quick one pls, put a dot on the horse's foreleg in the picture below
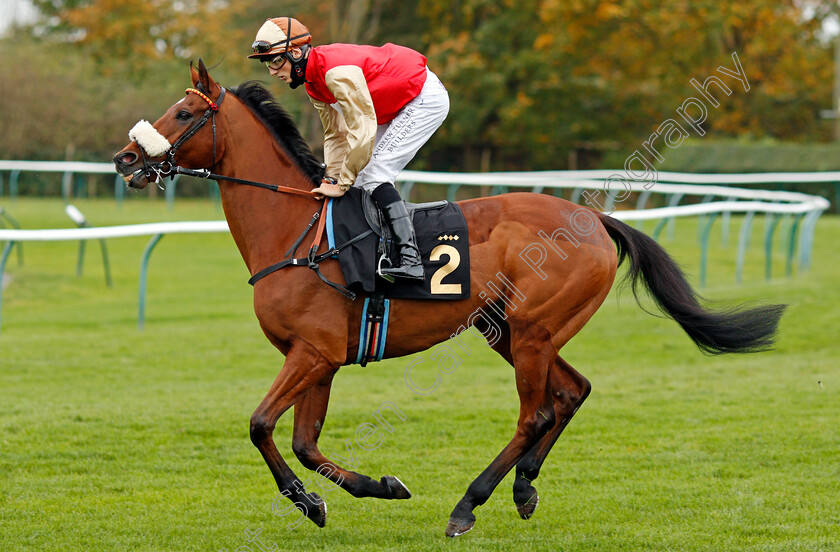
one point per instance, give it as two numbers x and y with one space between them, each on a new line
568 389
304 368
532 354
310 412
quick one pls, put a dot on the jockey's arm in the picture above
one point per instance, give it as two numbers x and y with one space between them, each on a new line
335 137
347 83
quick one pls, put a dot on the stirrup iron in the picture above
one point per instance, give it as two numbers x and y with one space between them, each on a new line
386 277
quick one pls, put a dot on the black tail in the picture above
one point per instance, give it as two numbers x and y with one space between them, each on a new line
735 330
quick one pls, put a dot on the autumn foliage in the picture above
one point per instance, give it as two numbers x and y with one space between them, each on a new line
534 84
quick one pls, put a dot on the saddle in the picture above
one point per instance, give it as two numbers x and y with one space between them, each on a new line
442 238
376 221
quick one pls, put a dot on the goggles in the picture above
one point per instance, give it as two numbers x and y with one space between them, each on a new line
276 63
263 46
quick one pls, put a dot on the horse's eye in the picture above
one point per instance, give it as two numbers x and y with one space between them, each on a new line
184 115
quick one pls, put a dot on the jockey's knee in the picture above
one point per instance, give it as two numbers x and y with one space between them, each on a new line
385 194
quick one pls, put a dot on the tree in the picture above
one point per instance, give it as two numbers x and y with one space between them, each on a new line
534 79
648 50
56 104
139 39
531 82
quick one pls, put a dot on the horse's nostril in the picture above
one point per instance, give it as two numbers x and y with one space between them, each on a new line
126 158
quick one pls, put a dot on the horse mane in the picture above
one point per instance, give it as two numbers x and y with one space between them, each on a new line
277 120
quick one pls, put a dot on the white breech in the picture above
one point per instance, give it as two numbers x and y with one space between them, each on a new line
399 141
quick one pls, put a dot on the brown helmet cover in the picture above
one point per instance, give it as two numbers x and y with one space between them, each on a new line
283 34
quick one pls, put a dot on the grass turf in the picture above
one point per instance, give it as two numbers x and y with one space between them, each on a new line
114 439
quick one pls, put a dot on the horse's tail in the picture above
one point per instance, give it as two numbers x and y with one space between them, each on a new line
735 330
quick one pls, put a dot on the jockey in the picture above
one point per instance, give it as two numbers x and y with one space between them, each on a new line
378 105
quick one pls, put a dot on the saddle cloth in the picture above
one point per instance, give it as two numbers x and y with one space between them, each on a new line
441 237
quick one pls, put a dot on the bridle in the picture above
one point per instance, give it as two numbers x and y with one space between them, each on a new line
169 167
209 113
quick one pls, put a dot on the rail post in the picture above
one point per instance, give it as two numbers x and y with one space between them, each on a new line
144 269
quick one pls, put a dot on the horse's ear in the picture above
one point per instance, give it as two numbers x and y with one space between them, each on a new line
208 84
193 74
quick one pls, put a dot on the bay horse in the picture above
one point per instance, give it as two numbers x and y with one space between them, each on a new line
553 290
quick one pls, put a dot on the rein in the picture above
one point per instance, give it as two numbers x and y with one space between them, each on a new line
169 167
205 173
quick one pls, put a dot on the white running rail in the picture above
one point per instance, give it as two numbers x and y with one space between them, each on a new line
802 210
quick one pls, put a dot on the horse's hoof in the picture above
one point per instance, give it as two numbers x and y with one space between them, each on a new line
458 527
317 512
527 509
396 488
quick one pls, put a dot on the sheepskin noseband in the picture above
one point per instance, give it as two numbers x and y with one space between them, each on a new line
148 138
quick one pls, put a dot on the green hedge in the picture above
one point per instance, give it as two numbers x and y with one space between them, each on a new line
740 157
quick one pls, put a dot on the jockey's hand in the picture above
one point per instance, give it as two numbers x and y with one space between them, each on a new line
328 188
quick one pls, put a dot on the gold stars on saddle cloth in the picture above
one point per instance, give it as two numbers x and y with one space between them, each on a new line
447 237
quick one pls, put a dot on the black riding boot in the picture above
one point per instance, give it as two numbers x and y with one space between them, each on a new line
403 230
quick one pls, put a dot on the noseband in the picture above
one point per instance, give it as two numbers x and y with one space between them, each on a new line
168 166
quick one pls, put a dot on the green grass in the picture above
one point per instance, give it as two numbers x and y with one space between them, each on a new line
114 439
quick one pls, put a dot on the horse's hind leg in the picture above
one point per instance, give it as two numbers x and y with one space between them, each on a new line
568 389
533 355
310 411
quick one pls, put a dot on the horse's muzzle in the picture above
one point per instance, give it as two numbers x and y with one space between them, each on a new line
126 163
137 180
